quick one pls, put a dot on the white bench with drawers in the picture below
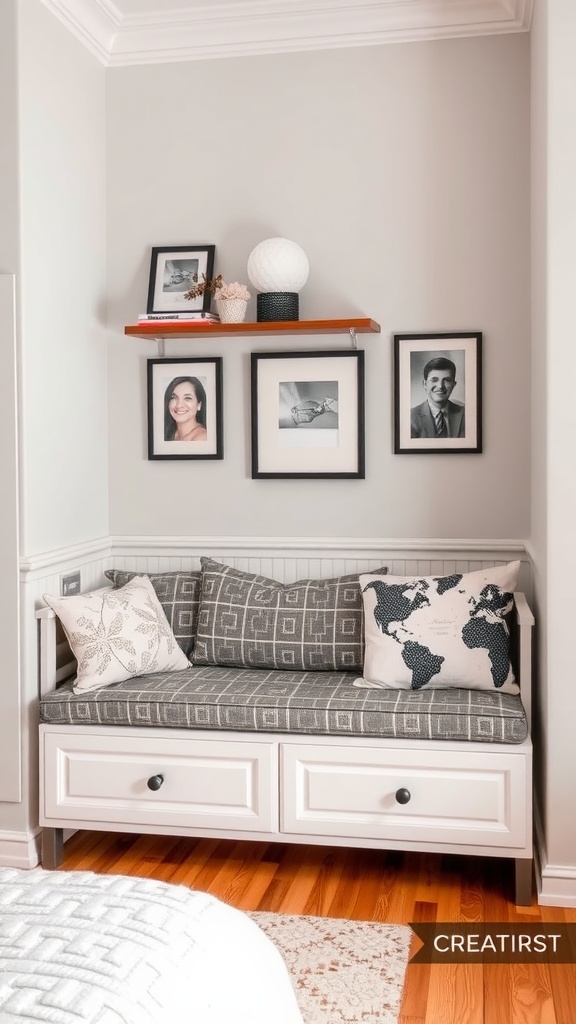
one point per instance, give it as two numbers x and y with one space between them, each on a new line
329 788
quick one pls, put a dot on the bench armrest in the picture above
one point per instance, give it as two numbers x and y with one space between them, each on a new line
525 624
57 662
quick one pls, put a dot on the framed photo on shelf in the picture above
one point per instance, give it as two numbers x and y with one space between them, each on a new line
308 414
174 270
185 408
438 393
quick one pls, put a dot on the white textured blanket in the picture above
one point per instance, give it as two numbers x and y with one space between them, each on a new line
81 948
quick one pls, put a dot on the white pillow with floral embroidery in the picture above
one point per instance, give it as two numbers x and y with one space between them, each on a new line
117 634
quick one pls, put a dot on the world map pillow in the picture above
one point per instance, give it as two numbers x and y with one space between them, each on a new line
250 621
117 634
439 631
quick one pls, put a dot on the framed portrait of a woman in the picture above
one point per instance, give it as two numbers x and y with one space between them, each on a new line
185 408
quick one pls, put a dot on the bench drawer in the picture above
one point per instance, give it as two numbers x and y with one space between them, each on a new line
203 783
451 797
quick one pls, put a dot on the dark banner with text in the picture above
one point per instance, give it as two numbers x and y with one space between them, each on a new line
495 943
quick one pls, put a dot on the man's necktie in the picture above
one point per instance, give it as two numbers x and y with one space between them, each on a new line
440 424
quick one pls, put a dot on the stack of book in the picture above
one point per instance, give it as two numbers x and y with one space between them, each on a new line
179 318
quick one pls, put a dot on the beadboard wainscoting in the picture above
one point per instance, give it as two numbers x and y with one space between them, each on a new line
290 559
282 558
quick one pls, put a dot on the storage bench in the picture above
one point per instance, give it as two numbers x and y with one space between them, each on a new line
290 756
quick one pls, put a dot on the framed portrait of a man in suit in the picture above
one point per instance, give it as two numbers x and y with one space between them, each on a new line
438 393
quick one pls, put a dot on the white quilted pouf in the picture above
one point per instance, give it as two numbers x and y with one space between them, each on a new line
81 948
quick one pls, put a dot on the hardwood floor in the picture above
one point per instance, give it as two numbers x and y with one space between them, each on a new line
365 885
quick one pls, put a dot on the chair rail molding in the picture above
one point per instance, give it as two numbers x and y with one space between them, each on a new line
106 549
66 558
204 31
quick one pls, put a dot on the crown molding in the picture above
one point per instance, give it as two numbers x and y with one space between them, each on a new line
278 26
95 23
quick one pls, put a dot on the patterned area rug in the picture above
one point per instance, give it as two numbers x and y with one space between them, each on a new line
344 972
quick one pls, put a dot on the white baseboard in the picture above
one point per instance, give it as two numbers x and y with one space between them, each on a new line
20 849
555 883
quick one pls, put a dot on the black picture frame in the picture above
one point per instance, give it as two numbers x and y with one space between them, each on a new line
163 375
172 271
415 432
307 415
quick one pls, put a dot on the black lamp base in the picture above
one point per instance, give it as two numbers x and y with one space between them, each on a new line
277 306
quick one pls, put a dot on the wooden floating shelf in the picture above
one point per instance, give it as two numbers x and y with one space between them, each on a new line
158 329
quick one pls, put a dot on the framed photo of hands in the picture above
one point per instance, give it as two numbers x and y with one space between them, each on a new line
438 393
174 271
308 414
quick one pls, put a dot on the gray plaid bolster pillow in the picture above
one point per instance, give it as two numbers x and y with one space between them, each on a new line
179 595
249 621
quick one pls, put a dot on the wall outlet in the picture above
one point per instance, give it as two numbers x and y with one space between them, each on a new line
70 584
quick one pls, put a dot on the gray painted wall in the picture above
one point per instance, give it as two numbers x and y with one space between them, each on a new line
401 170
52 238
63 232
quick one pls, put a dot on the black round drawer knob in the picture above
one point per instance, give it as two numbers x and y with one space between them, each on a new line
403 796
155 781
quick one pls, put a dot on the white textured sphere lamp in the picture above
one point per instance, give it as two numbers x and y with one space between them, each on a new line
278 269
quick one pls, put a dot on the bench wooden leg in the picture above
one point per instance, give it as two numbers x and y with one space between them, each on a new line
523 882
52 847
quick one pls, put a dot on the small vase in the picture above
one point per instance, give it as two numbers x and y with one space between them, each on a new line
232 311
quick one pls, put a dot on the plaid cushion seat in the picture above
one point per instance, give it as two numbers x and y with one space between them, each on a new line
261 700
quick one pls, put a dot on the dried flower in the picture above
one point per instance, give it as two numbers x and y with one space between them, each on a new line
217 285
204 285
234 291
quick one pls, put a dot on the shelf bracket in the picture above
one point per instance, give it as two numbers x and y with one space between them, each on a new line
353 337
161 347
